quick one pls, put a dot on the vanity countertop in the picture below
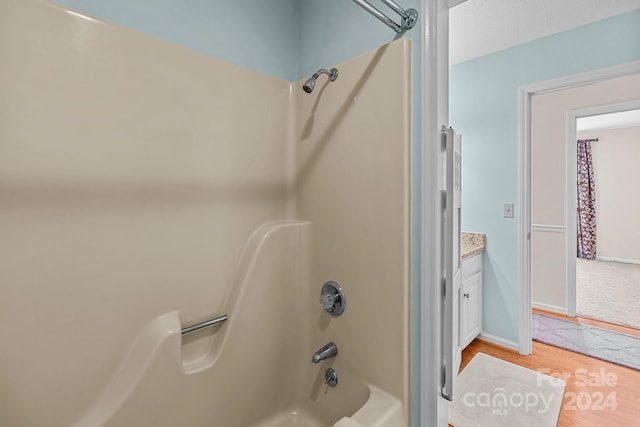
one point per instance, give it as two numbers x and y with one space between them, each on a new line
472 244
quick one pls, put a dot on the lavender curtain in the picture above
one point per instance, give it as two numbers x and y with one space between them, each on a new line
586 215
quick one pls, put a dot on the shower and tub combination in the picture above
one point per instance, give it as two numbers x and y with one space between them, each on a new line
172 266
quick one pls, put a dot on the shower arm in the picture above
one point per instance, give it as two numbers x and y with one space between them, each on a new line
409 16
333 73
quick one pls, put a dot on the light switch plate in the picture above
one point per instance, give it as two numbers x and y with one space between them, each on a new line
508 210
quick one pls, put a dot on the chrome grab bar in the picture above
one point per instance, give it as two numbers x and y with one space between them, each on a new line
204 324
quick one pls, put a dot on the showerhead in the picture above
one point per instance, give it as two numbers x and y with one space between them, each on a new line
309 84
311 81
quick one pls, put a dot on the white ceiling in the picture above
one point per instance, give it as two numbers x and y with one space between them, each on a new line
622 119
480 27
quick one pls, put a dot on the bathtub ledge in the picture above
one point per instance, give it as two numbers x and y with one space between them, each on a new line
381 410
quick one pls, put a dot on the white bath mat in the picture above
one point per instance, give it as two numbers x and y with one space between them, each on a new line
490 392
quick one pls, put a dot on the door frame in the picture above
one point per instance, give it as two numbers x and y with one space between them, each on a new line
525 95
433 407
571 168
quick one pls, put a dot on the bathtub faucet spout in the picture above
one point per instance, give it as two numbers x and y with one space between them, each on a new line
329 350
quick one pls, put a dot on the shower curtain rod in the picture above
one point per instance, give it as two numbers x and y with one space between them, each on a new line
409 16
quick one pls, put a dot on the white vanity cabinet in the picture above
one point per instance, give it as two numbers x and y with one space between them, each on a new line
470 298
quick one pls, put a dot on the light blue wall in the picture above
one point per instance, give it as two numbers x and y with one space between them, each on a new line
260 35
289 39
484 108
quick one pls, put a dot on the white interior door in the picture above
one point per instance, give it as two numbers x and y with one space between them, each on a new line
452 261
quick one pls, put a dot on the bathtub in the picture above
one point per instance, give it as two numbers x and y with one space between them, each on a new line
255 369
380 410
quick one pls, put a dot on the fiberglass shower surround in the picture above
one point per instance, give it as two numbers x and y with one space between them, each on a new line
146 211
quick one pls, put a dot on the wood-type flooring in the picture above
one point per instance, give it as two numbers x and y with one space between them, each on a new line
597 393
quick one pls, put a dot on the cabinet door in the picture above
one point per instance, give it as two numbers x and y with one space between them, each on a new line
471 309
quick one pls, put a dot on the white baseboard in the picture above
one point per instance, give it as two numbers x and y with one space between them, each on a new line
499 341
549 307
626 261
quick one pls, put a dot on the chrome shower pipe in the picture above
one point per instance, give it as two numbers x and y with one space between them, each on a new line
409 16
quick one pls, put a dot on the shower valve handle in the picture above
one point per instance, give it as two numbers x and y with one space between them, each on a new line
332 298
327 301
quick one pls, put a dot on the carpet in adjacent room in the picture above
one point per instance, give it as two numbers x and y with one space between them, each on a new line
608 291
